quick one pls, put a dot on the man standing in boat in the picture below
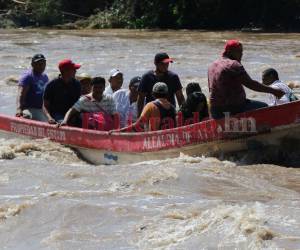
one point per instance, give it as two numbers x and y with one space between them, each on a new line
226 80
160 74
62 92
31 90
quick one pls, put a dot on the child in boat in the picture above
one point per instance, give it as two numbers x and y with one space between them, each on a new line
195 108
270 78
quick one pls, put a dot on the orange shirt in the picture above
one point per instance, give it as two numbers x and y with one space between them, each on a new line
151 113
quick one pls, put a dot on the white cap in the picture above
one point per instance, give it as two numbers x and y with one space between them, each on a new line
114 72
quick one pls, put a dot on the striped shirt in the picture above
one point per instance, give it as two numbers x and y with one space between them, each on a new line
87 103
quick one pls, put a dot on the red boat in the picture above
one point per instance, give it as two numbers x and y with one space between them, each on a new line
267 126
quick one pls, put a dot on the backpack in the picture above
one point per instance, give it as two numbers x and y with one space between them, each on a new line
293 97
167 116
97 120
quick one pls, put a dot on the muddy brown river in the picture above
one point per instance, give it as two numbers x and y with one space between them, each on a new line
51 199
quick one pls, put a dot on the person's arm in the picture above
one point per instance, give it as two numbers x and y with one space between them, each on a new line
180 97
256 86
178 89
140 103
46 105
71 112
138 125
22 92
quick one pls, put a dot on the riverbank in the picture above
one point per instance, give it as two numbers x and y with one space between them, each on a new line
248 15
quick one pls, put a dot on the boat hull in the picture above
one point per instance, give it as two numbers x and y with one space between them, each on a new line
264 127
214 148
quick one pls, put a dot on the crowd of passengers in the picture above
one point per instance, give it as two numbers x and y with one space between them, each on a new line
149 102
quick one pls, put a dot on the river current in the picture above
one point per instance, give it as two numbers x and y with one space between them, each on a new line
51 199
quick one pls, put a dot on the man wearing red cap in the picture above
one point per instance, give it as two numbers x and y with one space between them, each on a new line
160 74
226 80
62 92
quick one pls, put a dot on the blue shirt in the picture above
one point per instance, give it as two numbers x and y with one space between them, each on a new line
36 83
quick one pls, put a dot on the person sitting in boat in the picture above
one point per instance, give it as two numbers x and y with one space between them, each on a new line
270 78
61 93
85 83
96 105
226 80
115 82
160 74
192 87
125 100
195 108
31 89
156 115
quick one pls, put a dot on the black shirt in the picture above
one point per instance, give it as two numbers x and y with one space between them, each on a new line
61 96
170 78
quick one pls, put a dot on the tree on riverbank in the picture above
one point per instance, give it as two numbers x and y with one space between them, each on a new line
193 14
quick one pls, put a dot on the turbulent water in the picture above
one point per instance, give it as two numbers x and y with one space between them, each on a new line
51 199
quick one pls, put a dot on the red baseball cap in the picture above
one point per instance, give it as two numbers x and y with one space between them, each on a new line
162 57
232 44
67 64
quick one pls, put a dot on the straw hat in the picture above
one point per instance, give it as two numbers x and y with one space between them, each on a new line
83 76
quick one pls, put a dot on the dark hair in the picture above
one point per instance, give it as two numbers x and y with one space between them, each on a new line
192 87
134 80
98 81
191 103
271 72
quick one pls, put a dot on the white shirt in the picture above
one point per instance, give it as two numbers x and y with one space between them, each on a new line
108 91
126 110
273 100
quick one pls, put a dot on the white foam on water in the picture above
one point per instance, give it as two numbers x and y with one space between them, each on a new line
234 225
42 149
50 199
10 210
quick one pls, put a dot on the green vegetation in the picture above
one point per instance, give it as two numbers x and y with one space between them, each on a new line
175 14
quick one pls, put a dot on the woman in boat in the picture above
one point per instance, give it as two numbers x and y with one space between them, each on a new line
195 108
156 115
